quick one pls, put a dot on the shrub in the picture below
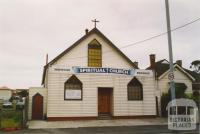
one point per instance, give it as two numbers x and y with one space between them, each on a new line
10 118
165 98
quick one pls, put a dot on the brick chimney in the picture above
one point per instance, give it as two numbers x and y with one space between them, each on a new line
152 61
136 63
179 62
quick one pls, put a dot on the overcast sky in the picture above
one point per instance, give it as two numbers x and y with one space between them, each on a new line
31 28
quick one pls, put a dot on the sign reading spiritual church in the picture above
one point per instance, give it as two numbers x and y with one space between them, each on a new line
103 70
99 70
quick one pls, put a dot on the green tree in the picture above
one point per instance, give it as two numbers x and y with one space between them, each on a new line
23 93
180 89
195 65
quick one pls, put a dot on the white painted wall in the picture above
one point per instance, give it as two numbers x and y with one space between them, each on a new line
110 58
58 107
5 94
32 92
123 107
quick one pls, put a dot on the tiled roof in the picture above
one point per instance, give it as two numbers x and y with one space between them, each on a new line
161 67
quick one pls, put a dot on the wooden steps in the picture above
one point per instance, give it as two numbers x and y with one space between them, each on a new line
104 117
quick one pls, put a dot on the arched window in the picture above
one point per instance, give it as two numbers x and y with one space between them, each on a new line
135 90
94 54
73 89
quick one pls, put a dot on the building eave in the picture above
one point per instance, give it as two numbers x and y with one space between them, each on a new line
181 69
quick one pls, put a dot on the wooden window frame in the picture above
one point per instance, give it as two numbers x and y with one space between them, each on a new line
139 84
81 88
97 47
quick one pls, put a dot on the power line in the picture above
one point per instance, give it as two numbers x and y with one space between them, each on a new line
161 34
150 38
191 22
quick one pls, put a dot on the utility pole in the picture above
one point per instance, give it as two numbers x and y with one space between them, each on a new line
171 72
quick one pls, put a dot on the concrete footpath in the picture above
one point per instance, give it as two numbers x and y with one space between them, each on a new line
95 123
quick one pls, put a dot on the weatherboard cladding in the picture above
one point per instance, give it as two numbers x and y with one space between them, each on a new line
110 58
88 106
163 84
58 107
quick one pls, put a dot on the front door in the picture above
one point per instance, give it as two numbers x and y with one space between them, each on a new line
37 108
104 100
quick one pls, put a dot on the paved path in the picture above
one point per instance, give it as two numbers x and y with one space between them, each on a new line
96 123
155 129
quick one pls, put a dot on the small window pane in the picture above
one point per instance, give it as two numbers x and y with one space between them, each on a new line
94 54
181 110
172 110
190 111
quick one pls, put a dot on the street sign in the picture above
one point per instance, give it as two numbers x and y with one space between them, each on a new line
171 76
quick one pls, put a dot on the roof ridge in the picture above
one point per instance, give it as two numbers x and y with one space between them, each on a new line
162 61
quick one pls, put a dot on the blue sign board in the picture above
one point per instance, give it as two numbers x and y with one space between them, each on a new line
103 70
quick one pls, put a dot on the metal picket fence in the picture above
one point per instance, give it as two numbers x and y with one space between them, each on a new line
15 116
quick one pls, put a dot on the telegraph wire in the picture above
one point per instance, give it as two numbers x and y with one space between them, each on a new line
161 34
150 38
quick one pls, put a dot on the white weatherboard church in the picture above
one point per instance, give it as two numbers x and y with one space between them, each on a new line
93 79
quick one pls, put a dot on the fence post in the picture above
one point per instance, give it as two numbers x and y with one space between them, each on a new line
25 112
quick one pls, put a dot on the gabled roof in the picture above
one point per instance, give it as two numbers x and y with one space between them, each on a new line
162 67
93 31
